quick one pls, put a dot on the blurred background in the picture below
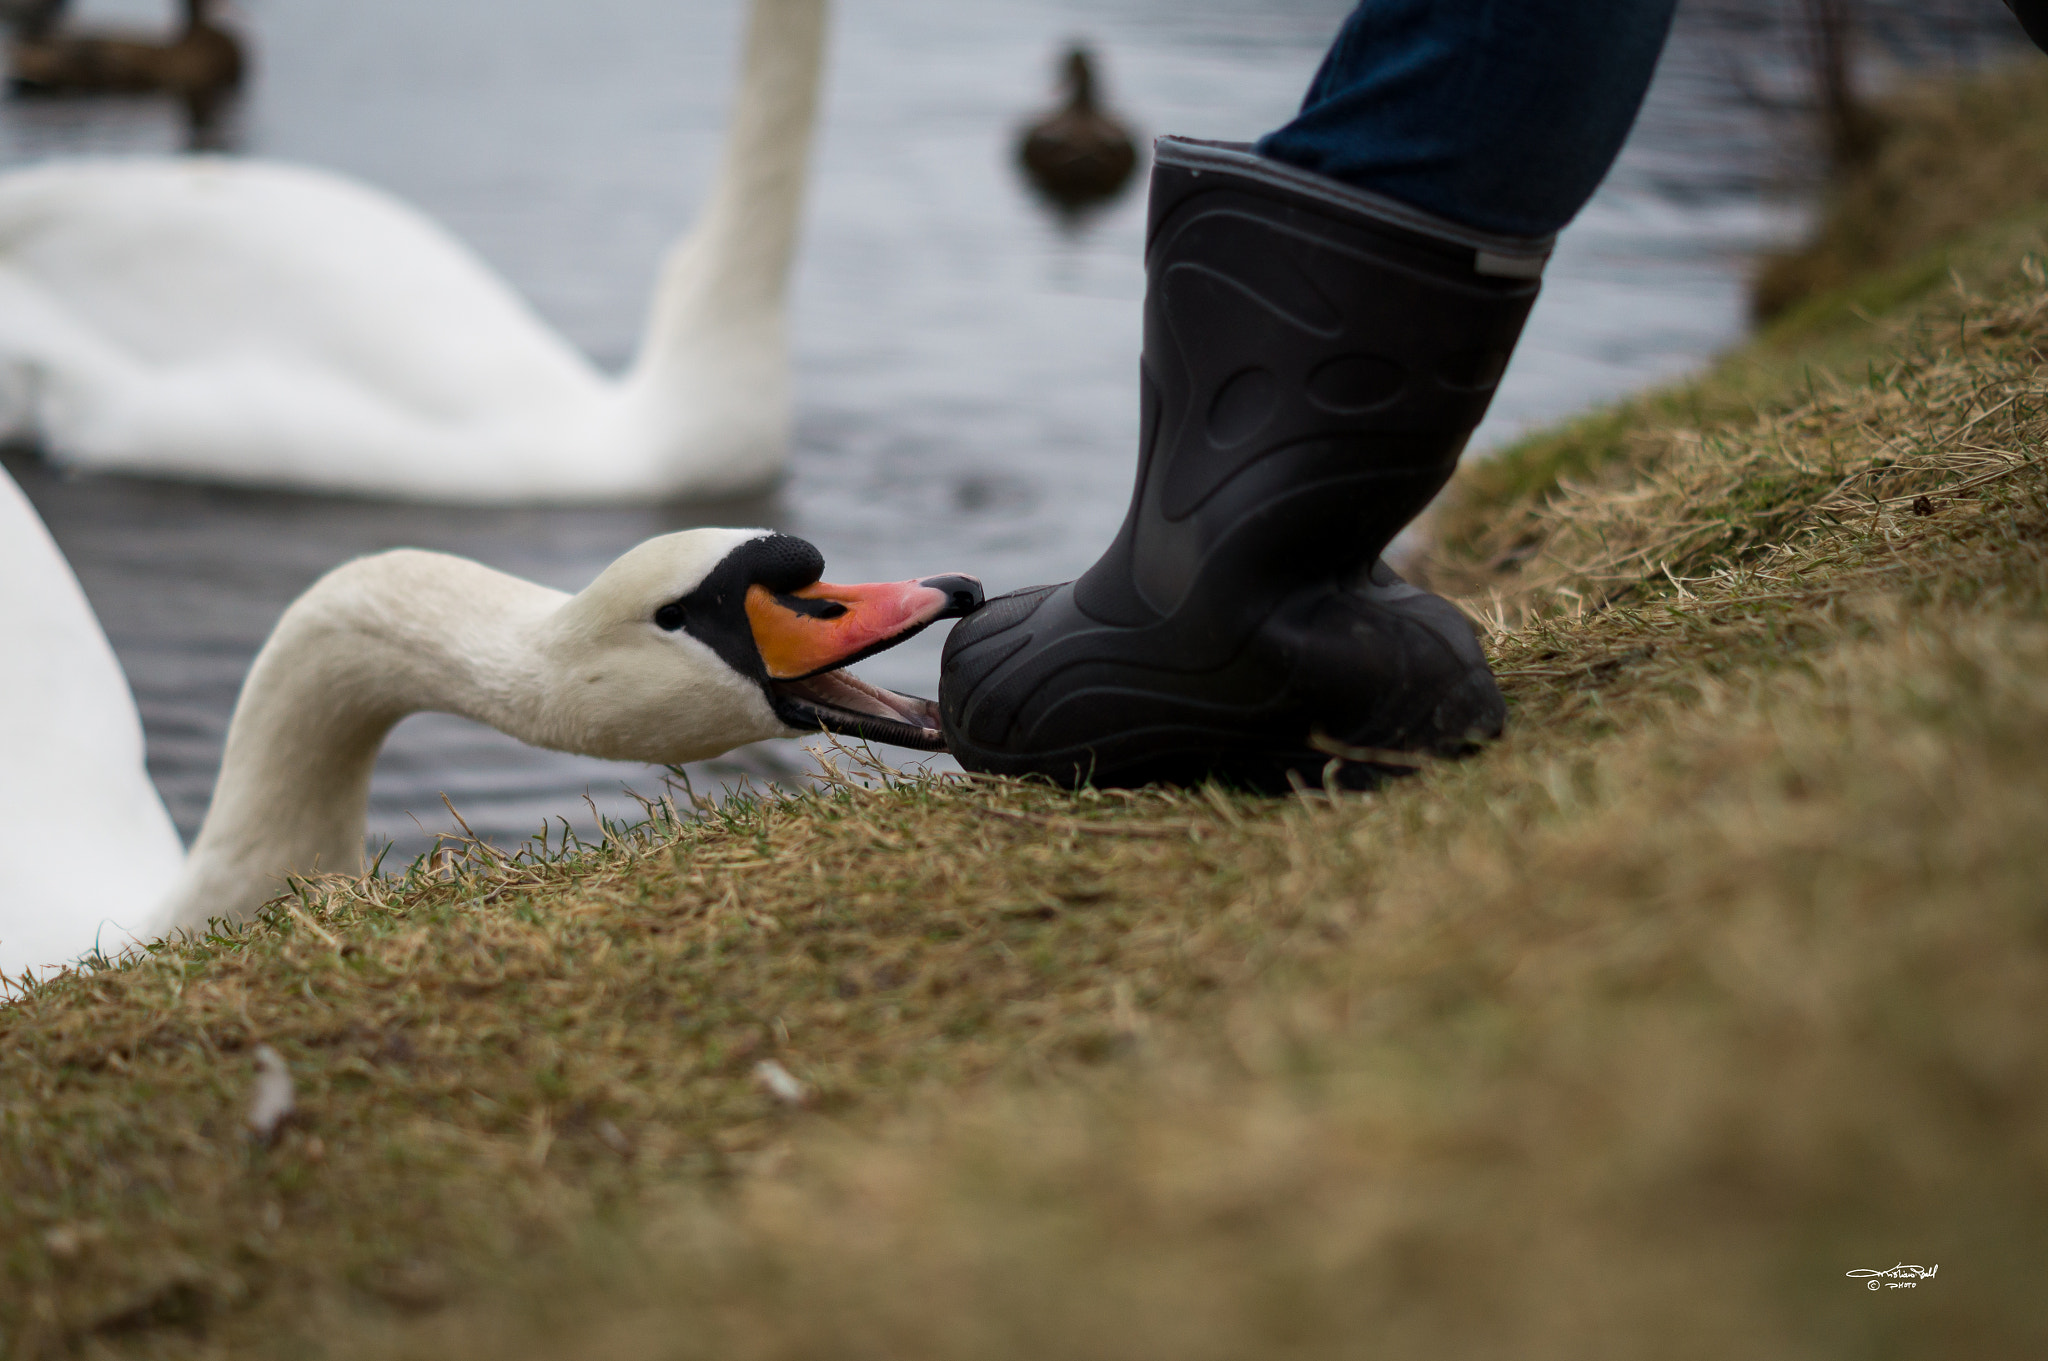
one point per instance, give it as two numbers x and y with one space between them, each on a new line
965 352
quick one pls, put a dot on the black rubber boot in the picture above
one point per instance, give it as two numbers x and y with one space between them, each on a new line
1315 359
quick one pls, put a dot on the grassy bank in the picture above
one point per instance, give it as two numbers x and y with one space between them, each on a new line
1715 980
1953 157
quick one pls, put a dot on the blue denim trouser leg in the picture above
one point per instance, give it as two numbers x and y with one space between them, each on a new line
1502 115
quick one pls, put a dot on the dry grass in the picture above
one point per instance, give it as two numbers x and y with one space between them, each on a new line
486 1059
1640 1060
1717 979
1953 408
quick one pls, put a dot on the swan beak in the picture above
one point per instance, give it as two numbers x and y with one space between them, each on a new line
822 627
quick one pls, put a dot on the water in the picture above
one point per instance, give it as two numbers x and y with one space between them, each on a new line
966 363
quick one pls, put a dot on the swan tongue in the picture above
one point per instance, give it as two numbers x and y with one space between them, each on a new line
841 702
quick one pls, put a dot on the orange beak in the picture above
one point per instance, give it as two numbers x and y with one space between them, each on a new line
823 627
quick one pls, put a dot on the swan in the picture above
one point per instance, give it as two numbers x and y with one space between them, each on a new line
687 646
201 62
254 322
1077 154
86 830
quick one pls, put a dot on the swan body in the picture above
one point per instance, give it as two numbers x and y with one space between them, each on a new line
89 844
687 646
261 323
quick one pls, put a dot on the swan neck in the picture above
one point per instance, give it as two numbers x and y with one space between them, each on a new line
730 274
368 644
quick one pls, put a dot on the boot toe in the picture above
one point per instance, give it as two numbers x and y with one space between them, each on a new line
1028 686
975 650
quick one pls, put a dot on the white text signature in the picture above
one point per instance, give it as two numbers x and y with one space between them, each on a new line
1900 1277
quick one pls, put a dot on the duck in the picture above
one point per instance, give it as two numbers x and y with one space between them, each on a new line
688 645
1078 154
262 323
30 18
201 63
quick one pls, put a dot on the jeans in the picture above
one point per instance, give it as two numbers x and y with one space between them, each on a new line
1502 115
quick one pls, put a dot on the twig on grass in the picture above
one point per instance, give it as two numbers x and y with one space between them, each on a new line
273 1102
781 1083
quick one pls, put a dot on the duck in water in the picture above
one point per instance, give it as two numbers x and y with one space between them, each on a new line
1078 154
201 65
30 18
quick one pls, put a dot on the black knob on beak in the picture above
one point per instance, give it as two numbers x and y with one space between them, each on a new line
963 595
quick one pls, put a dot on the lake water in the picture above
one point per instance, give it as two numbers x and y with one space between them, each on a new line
965 362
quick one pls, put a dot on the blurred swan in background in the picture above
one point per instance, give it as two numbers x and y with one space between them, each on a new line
687 646
262 323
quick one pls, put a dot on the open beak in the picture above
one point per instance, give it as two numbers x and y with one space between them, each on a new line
806 637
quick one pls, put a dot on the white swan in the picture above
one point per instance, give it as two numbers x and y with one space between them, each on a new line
249 322
687 646
88 840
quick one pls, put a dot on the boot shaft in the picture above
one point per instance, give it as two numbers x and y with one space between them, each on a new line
1315 359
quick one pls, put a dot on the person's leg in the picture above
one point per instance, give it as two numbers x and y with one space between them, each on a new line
1502 115
2033 17
1316 354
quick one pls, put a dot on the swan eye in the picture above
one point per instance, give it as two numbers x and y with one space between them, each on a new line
670 616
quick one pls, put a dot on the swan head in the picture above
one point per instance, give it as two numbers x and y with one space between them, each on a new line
700 641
